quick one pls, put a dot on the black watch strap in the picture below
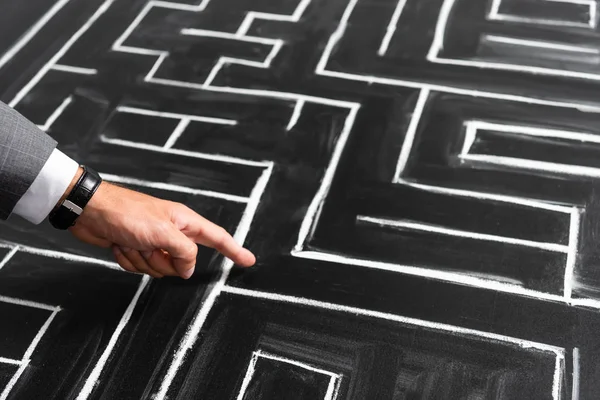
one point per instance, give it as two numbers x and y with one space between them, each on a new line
65 215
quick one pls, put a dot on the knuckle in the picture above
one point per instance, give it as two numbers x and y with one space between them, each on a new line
191 250
177 208
163 226
181 207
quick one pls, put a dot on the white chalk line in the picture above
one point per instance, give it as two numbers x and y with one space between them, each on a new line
291 97
296 363
31 32
452 277
421 227
477 125
540 44
195 327
27 303
437 43
181 127
470 136
8 256
391 28
411 132
63 256
248 376
437 46
547 22
185 153
521 201
94 377
557 352
333 388
559 370
329 395
13 380
170 115
40 334
336 36
74 70
454 90
517 68
295 115
574 228
56 114
576 374
494 9
5 360
533 165
173 188
228 36
495 15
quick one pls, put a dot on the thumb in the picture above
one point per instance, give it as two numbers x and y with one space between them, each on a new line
183 251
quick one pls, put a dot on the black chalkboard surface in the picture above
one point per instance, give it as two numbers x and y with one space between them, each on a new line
419 180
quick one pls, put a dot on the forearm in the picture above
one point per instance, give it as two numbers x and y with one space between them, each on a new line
71 186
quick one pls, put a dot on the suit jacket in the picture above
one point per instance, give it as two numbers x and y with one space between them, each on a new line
24 149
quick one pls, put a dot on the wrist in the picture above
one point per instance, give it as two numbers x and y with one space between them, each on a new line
97 206
70 187
84 185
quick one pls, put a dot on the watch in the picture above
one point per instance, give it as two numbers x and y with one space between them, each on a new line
65 215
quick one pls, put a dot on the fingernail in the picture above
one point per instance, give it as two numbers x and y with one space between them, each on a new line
125 249
187 274
116 251
147 254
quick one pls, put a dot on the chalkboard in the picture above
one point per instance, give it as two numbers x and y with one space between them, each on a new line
418 180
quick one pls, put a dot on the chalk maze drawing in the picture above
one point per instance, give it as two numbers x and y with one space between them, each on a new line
581 14
11 367
244 112
255 367
11 272
535 52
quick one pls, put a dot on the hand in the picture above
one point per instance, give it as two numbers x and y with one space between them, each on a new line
150 235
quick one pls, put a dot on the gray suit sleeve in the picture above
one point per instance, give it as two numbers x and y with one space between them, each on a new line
24 149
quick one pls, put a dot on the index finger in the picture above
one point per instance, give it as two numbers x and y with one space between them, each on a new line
206 233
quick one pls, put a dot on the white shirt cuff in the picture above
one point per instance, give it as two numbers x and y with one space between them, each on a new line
47 189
